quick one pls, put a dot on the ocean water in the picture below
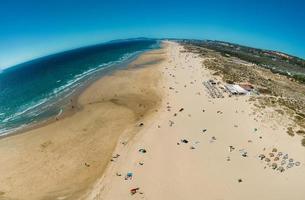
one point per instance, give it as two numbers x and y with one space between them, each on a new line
30 92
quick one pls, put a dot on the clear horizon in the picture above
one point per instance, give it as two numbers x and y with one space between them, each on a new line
34 29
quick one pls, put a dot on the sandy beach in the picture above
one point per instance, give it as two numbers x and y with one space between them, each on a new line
198 147
63 159
153 130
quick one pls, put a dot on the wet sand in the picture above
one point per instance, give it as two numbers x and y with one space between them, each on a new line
198 147
166 137
62 159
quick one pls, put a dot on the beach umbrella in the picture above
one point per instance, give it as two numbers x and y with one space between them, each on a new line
290 165
274 165
281 169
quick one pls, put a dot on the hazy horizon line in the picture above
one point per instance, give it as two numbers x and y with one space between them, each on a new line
58 51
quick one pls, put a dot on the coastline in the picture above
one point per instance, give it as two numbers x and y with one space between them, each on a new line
69 105
196 146
62 158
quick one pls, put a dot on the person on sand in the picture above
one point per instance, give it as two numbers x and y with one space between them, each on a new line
134 191
128 176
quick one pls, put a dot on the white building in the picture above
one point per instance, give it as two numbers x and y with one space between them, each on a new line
236 89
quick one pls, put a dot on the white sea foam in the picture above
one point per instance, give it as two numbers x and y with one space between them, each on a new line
79 77
31 108
7 131
21 111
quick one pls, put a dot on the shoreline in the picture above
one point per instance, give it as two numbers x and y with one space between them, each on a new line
64 157
196 145
69 105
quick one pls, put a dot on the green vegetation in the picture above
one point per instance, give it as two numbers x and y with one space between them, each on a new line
299 77
277 62
266 70
301 132
290 131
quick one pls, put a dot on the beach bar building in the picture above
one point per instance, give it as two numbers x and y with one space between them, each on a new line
247 86
236 89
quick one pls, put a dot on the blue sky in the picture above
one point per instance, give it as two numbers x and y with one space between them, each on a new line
33 28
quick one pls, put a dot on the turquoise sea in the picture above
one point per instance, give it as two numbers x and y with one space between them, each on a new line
30 92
